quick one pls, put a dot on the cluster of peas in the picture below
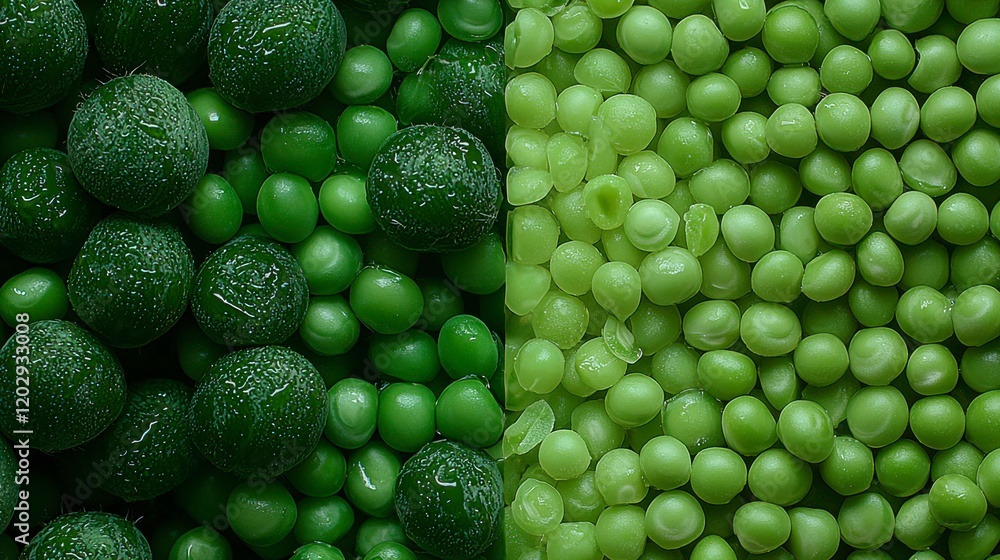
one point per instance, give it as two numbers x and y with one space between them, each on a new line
395 334
753 288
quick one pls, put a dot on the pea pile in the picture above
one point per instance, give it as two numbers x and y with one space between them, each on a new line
753 291
251 279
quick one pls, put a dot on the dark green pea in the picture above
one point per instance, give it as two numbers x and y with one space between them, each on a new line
245 171
478 269
442 301
978 542
371 477
201 543
330 260
406 416
408 356
833 317
982 427
352 408
825 171
805 429
414 38
980 367
374 531
976 157
228 127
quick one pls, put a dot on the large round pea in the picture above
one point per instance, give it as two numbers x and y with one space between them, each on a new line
938 64
957 503
902 468
877 416
974 315
466 411
814 533
770 329
850 468
828 276
726 374
262 514
806 431
761 526
895 116
718 474
791 130
272 386
674 519
748 232
877 355
866 521
843 218
892 54
748 426
406 416
843 122
322 519
915 527
322 473
821 359
947 114
694 417
698 46
466 347
670 276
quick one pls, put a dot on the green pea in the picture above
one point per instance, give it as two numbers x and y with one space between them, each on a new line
866 521
980 540
947 114
797 233
713 97
670 276
821 359
634 400
261 514
962 219
975 156
873 306
371 476
794 84
987 477
806 431
603 70
911 218
843 218
748 426
343 204
712 325
287 207
300 143
761 526
779 382
694 417
937 63
933 369
957 503
843 121
814 533
825 171
973 314
619 477
582 501
828 276
876 178
628 121
892 54
322 473
245 171
915 527
414 38
228 127
774 187
363 76
770 329
329 328
527 40
726 374
964 459
201 542
877 416
688 145
352 409
981 422
466 411
724 275
698 46
854 19
877 355
895 117
386 301
833 317
880 261
791 131
663 85
850 468
600 433
674 519
750 68
323 519
406 416
846 69
665 463
744 138
718 474
465 347
902 468
330 260
675 368
978 368
38 292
